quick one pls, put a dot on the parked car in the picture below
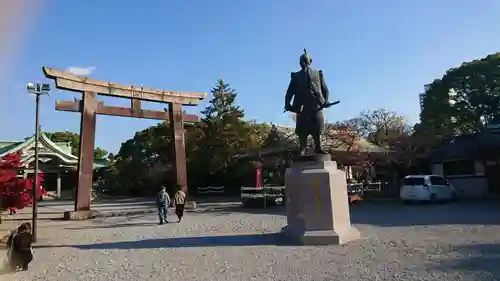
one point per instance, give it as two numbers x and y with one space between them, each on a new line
426 188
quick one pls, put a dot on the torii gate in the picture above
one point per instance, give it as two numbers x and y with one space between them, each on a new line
89 108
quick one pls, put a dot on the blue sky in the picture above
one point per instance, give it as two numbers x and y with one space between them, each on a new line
375 54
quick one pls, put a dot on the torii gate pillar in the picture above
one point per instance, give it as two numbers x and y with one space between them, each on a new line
85 170
177 129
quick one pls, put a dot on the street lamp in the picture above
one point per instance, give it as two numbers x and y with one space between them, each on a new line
37 90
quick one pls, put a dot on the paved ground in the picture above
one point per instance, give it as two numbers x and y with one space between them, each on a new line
51 210
432 242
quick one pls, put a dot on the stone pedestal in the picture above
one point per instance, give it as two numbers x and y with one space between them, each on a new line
78 215
317 207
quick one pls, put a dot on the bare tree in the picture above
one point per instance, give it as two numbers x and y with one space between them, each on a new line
381 126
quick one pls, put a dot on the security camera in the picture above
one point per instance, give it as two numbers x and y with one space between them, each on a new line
45 87
30 87
37 88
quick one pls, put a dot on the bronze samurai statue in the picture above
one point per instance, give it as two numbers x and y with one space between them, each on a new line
310 96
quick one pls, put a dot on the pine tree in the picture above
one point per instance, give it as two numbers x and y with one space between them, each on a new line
222 107
225 133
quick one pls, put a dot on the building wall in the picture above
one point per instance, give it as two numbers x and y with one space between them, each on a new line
422 96
473 184
421 99
470 187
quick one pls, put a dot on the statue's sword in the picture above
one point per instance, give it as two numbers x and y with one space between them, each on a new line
326 105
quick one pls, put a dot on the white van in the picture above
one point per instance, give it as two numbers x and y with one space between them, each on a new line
426 188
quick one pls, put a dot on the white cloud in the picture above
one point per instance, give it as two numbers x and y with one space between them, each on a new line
81 70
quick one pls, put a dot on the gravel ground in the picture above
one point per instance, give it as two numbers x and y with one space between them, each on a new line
431 242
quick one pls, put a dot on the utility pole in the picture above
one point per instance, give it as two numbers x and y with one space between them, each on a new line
37 90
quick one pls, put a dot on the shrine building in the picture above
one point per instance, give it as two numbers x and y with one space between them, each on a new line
56 162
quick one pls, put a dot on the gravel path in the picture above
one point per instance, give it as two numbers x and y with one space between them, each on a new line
442 242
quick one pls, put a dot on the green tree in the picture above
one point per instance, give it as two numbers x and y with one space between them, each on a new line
100 153
74 140
223 134
464 100
145 161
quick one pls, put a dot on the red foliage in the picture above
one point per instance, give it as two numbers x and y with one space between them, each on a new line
349 150
344 139
16 192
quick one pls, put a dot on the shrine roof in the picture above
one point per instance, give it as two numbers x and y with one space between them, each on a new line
61 150
7 145
483 144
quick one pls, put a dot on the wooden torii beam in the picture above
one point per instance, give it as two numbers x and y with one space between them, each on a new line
75 83
89 108
134 111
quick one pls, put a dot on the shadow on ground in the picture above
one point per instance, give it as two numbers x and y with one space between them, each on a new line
118 225
184 242
5 270
227 210
40 218
474 259
44 212
101 204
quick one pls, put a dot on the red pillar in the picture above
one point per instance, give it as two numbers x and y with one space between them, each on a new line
258 177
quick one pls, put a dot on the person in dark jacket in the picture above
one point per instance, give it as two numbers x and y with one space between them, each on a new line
162 202
20 242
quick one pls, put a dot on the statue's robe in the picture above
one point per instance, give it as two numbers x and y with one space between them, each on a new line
309 92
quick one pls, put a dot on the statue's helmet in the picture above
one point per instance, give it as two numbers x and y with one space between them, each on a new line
305 59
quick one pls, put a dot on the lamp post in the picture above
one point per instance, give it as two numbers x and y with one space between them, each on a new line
37 90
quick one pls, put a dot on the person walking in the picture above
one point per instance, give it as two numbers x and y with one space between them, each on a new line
180 202
162 202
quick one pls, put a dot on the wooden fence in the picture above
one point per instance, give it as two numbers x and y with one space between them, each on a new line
376 190
210 190
372 190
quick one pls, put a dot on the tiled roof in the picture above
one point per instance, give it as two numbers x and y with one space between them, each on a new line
61 150
456 147
467 146
7 145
